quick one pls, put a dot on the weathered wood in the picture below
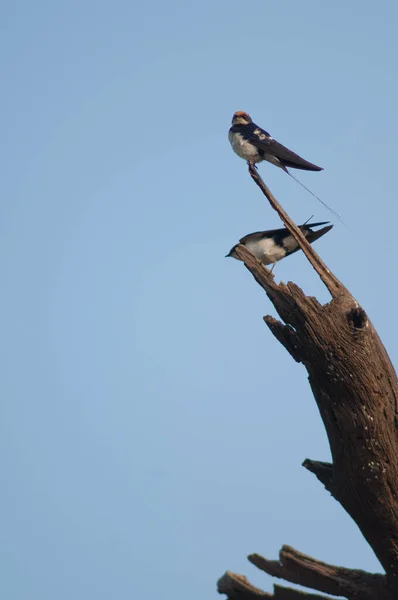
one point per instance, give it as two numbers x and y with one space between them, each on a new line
332 283
238 587
322 470
296 567
355 387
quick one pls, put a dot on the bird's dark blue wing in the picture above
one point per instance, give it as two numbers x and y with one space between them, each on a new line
263 141
315 235
281 233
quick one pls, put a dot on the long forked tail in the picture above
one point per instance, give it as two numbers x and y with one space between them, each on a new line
315 196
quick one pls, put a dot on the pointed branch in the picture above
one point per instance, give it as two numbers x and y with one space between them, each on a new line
322 470
238 587
285 334
296 567
331 282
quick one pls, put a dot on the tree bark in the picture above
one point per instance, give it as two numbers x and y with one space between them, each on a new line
355 387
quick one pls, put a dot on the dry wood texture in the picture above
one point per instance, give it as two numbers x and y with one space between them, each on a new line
356 390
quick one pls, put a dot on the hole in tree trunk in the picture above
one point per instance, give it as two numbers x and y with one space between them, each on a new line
357 318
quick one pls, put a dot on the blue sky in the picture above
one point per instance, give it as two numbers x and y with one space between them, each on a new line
152 429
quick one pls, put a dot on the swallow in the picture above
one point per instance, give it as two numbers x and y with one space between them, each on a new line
254 144
271 246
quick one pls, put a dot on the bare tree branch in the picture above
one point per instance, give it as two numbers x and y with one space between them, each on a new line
322 470
238 587
332 283
296 567
356 389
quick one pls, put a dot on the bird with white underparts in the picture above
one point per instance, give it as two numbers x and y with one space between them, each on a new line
275 244
255 145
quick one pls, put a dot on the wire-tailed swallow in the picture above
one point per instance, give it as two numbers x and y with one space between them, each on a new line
275 244
254 144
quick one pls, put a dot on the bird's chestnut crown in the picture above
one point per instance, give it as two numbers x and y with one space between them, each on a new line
241 117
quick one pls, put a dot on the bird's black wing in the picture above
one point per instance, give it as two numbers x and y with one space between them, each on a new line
259 235
290 244
263 141
281 233
315 235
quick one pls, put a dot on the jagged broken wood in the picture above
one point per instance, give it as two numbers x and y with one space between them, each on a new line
239 587
296 567
356 390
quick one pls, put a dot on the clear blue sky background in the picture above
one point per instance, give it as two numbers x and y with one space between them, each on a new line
152 429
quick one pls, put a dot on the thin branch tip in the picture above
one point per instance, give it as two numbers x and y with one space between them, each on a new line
333 285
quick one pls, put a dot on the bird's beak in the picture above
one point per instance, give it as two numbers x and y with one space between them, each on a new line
232 253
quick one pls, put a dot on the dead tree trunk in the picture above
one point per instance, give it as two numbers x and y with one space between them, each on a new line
355 387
